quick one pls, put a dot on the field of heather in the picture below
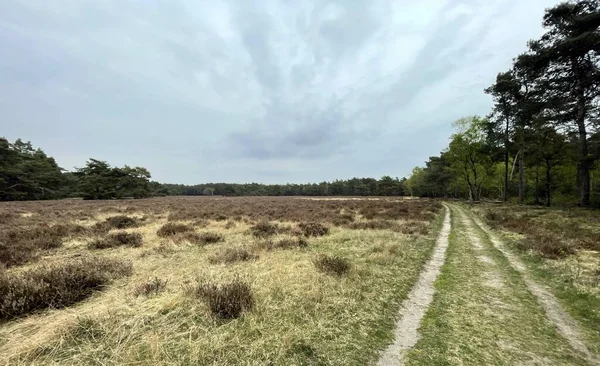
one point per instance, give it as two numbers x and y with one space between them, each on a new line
208 280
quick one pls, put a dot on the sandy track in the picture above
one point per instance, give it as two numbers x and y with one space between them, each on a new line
414 307
566 325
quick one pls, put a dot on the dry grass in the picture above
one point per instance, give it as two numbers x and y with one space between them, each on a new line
296 310
153 286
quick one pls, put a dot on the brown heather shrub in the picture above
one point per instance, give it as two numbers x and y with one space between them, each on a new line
231 255
590 242
117 240
343 219
290 243
57 285
100 228
220 217
153 286
209 237
264 229
334 265
19 245
285 243
201 223
172 229
226 301
122 222
373 225
309 229
414 227
547 246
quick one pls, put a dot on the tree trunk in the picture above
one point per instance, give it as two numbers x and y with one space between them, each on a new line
506 142
522 176
583 166
537 186
548 182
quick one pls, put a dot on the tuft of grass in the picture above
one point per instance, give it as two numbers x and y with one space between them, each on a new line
231 255
57 285
122 222
334 265
115 240
309 229
172 229
226 301
153 286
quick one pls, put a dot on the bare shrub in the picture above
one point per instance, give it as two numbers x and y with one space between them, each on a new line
122 222
334 265
547 246
209 237
309 229
153 286
22 244
226 301
57 285
414 227
373 225
117 240
172 229
290 243
264 229
231 255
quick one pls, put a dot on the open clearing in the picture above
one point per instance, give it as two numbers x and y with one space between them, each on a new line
289 281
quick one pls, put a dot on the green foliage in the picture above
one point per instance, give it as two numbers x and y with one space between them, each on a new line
542 138
386 186
27 173
98 180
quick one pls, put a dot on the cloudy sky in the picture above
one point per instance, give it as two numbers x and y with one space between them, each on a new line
240 90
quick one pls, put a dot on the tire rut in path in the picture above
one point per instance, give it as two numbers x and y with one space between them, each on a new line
416 304
566 325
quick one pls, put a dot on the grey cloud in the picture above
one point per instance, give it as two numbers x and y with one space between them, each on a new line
252 91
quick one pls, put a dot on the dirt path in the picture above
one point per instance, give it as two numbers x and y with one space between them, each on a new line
414 307
565 324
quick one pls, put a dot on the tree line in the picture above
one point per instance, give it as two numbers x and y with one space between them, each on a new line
541 140
386 186
27 173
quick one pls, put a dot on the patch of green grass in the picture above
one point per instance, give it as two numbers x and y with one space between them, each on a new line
483 314
573 279
582 303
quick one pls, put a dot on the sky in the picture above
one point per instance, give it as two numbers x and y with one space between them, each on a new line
253 91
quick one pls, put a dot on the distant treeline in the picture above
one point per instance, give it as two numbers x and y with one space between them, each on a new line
541 141
386 186
27 173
